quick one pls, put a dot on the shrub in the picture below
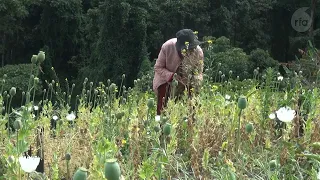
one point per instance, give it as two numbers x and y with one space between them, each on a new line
17 76
262 59
233 59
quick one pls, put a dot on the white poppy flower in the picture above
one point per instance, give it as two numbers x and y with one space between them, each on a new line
36 108
157 118
227 97
71 117
280 78
285 114
55 117
272 116
29 164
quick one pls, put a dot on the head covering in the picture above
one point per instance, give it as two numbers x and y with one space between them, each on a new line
186 35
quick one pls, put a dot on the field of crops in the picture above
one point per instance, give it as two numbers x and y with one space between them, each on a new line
266 127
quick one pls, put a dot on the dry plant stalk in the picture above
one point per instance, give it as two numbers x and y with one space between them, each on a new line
191 68
134 148
80 152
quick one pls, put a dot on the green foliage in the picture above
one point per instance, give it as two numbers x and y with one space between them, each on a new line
262 59
119 51
18 76
145 67
230 58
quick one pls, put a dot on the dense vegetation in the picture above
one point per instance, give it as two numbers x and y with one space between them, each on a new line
105 39
84 103
263 127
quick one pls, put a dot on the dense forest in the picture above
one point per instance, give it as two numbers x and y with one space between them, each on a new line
103 39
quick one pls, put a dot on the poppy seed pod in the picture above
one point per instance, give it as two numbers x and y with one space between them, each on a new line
68 156
11 159
167 129
174 83
150 103
34 59
41 57
242 102
112 170
13 91
156 128
36 80
80 174
249 128
17 124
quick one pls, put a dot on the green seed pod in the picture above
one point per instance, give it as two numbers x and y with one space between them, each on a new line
80 174
60 123
150 103
249 128
36 80
67 157
273 164
85 80
41 57
123 76
34 59
5 76
242 102
156 128
10 159
119 115
167 129
164 119
17 124
112 87
174 83
112 170
91 84
13 91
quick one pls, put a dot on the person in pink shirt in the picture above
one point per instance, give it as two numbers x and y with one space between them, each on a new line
173 56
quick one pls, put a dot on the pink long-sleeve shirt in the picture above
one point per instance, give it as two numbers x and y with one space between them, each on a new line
167 63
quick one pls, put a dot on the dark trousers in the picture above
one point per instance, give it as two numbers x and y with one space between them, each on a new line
164 92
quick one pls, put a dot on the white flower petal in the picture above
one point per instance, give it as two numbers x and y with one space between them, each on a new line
36 108
71 117
272 116
227 97
29 164
55 117
157 118
280 78
285 114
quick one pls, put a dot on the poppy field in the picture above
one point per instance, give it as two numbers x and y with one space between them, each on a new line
265 127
